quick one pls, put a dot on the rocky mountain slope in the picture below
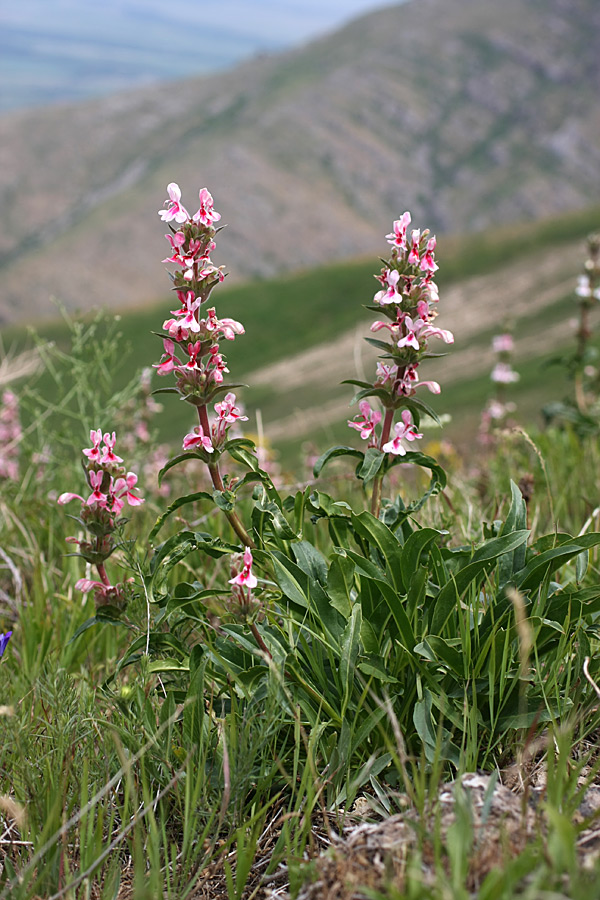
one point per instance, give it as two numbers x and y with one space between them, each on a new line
466 112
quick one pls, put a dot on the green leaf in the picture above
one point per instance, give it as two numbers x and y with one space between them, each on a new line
290 578
225 500
516 520
168 665
482 560
436 747
349 647
245 457
99 619
340 580
361 384
381 345
543 565
581 565
438 476
333 453
395 605
177 504
414 547
417 406
311 561
175 462
437 649
372 391
170 552
380 536
371 464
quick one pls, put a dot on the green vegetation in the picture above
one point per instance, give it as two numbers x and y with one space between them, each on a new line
193 743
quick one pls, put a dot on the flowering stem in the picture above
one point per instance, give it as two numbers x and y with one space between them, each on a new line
102 573
258 638
378 480
215 476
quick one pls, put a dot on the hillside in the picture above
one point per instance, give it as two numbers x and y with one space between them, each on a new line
295 353
467 112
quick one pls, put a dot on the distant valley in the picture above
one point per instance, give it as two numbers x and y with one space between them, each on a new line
469 113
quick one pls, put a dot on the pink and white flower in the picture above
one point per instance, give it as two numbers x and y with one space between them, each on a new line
197 438
109 457
175 209
503 343
245 578
93 453
123 488
390 293
367 421
413 256
428 264
97 497
503 373
168 360
404 431
397 237
206 214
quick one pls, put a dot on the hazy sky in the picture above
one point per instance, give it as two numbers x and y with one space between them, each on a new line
53 50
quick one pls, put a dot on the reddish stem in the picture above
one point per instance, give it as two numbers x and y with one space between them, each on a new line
215 475
102 573
378 480
258 638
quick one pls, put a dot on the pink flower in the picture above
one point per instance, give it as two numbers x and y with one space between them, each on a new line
410 338
193 353
176 241
197 438
405 431
366 422
216 365
503 343
386 372
93 453
428 263
189 319
410 382
245 578
97 497
398 236
168 359
503 373
177 331
228 411
206 214
390 294
85 585
67 497
108 455
420 330
124 487
175 209
413 256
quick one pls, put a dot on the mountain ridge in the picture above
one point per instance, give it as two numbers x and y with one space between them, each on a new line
309 154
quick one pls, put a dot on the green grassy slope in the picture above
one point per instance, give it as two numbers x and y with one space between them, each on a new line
288 316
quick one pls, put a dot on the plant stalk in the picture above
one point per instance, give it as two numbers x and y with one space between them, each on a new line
215 476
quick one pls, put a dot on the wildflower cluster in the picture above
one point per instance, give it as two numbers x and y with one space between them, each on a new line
408 298
192 345
498 407
585 362
193 333
110 488
10 436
